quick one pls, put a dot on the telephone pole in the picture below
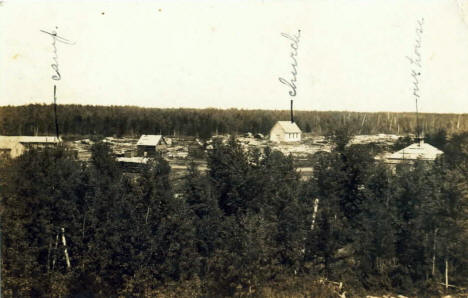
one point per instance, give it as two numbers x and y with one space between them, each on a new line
55 114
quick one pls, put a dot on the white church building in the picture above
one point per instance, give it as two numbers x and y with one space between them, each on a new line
285 131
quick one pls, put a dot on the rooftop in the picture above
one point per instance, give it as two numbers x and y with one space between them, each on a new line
289 127
415 151
29 139
149 140
134 160
39 139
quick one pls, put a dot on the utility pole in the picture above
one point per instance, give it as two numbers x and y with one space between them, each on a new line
418 134
55 114
292 114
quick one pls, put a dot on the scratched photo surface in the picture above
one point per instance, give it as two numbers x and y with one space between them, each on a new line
234 148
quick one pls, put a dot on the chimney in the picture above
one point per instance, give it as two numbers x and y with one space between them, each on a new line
421 139
292 115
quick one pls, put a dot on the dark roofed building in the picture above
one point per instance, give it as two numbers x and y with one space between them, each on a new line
148 145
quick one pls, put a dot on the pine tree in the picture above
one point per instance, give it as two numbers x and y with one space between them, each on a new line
40 202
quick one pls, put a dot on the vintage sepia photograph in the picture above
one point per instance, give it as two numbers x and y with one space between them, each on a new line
260 148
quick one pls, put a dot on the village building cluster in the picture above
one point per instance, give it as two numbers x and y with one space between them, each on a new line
285 136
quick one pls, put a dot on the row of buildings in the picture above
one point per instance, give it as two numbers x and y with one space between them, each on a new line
148 145
288 131
14 146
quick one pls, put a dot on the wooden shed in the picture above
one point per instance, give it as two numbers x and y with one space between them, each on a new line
148 145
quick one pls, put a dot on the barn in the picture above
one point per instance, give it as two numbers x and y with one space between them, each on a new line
285 131
148 145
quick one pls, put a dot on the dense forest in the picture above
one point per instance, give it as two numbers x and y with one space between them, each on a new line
36 119
248 226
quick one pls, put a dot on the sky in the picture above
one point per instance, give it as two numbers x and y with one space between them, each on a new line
351 55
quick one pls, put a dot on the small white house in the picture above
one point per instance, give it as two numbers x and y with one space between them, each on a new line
285 131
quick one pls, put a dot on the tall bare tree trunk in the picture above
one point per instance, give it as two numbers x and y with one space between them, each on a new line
434 252
446 273
65 250
316 204
55 252
390 122
147 214
362 124
48 255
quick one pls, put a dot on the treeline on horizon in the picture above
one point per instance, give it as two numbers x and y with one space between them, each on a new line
247 227
38 119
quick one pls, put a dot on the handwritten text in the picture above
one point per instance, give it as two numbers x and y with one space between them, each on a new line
415 60
294 45
56 38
